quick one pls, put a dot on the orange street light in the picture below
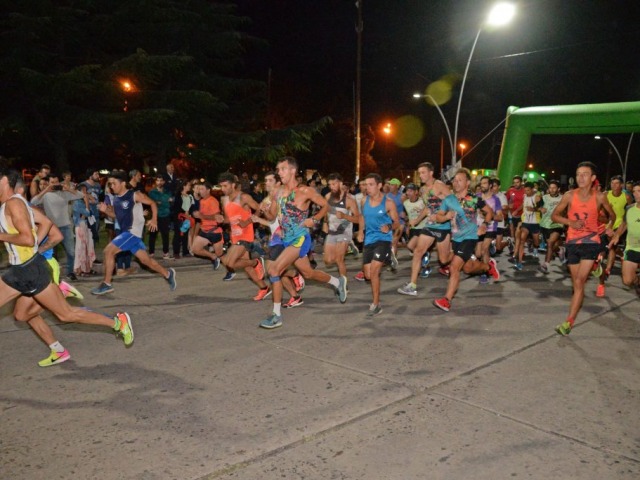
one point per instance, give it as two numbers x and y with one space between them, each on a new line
387 129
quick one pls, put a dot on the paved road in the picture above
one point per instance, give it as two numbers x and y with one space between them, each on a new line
486 391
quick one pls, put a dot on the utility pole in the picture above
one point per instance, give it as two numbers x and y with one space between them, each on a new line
359 27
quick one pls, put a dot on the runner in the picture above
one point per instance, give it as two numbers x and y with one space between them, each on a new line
127 210
292 281
551 231
210 232
502 228
530 224
378 221
237 207
583 241
28 274
461 208
342 214
484 241
619 201
631 226
433 192
395 195
292 206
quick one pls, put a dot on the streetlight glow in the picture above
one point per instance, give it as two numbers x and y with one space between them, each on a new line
387 129
501 14
497 17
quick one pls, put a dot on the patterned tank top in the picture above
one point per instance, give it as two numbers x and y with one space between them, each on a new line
434 203
291 218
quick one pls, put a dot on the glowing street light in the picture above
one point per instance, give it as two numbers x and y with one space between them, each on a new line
501 14
462 146
387 129
623 165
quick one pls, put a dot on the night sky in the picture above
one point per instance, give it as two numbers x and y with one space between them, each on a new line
554 52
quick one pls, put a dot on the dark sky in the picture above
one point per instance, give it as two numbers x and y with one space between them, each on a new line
554 52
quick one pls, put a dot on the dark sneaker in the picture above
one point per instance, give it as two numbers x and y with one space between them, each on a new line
341 291
171 279
229 276
103 289
374 310
273 321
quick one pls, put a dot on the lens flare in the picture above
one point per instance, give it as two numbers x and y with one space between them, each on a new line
439 92
409 131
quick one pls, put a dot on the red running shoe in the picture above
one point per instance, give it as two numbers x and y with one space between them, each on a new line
442 303
493 270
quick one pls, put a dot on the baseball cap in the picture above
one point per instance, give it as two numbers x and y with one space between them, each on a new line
412 186
395 181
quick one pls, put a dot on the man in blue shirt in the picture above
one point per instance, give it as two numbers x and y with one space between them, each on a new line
460 208
378 220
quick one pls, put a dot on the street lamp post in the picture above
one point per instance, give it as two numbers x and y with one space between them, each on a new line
501 14
623 165
444 120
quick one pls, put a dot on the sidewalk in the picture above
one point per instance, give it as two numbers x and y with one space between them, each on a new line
485 391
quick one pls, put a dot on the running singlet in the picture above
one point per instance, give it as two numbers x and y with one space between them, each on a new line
129 214
236 213
339 225
434 202
414 209
515 197
529 216
632 217
291 218
494 203
618 204
397 199
587 211
209 206
464 226
18 254
374 219
550 204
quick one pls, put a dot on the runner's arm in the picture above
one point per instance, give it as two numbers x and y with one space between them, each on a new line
558 213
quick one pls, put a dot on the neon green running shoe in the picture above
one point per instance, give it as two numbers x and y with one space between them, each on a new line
564 329
126 328
55 358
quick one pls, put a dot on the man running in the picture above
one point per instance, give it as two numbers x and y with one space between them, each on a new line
292 281
292 207
631 226
460 208
210 232
127 210
551 231
484 241
395 195
583 242
342 214
433 192
238 207
29 275
619 201
378 221
531 203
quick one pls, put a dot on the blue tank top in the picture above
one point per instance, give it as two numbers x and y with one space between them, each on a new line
374 218
129 214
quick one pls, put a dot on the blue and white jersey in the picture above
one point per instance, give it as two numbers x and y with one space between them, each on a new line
129 214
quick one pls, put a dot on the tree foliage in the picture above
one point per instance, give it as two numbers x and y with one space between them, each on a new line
64 67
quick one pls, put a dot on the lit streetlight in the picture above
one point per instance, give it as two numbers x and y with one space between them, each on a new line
462 146
387 129
623 165
501 14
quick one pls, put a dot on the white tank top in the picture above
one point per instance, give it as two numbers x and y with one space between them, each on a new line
18 254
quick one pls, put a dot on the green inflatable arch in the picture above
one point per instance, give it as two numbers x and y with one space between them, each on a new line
559 120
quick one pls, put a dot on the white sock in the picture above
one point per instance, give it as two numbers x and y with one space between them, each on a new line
276 309
57 347
334 281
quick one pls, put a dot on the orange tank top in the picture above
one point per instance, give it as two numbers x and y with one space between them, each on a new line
587 211
209 206
236 213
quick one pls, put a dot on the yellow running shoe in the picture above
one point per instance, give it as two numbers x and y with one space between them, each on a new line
55 358
126 328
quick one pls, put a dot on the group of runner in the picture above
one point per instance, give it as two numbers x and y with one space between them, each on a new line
465 228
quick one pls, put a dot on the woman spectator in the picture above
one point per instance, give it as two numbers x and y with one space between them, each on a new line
181 218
